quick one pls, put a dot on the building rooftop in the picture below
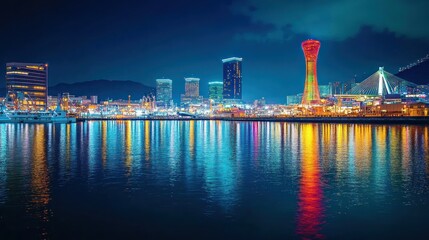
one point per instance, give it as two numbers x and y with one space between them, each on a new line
25 64
192 79
165 80
232 59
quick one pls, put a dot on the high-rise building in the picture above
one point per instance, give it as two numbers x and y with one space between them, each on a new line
311 93
348 85
192 87
232 78
216 91
164 91
335 87
294 99
192 92
325 90
94 99
28 83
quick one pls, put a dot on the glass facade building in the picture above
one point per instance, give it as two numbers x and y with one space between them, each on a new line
192 92
27 83
294 99
192 87
216 91
232 78
325 90
164 91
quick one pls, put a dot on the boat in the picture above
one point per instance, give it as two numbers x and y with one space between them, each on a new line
60 116
4 118
20 116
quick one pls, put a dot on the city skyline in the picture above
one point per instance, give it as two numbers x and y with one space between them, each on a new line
214 119
143 49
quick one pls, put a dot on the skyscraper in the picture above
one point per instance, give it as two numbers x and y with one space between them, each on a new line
216 91
164 91
28 82
325 90
232 78
192 87
311 93
192 92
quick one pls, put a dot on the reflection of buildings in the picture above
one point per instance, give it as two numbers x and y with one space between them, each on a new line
40 178
128 146
147 141
311 89
310 206
29 81
221 172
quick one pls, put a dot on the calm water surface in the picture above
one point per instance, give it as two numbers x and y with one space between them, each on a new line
213 180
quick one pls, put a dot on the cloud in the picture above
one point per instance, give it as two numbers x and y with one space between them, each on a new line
335 19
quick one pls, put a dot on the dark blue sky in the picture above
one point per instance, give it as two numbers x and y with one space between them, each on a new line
145 40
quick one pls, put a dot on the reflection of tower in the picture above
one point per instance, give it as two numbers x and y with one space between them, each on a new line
311 89
310 205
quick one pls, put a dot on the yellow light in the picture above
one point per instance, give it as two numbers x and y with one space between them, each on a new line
35 67
39 87
17 72
19 86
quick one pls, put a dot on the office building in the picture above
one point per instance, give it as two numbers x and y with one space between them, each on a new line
164 92
94 99
192 87
325 90
216 91
232 78
28 83
294 99
192 92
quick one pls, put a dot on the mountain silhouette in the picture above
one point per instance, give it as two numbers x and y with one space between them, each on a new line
104 89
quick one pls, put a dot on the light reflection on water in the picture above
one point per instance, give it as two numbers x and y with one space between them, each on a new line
213 179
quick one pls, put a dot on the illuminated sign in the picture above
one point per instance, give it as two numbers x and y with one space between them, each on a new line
415 95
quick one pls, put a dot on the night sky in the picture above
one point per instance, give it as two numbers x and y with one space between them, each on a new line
145 40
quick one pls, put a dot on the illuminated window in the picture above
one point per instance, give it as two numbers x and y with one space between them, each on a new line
17 72
39 87
19 86
35 67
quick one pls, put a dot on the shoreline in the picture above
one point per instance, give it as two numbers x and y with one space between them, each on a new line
372 120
